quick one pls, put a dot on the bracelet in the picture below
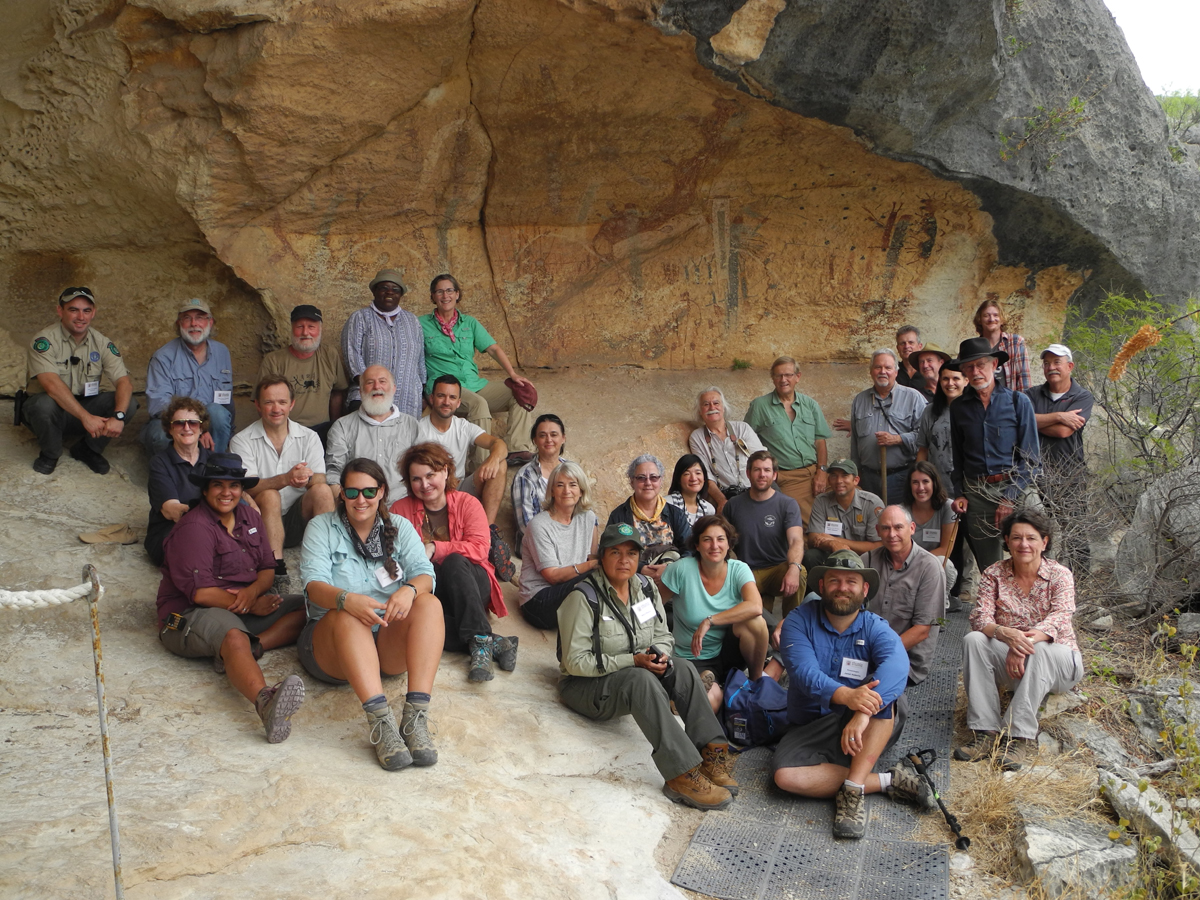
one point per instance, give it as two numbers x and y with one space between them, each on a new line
576 568
797 565
409 584
341 599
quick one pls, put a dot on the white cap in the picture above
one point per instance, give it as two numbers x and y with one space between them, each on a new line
1060 350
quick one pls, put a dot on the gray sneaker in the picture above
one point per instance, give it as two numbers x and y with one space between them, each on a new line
909 786
504 652
480 648
385 736
414 728
850 813
276 706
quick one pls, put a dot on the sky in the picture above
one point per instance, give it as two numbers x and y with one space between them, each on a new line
1163 37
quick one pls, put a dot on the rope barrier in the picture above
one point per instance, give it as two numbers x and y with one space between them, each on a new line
42 599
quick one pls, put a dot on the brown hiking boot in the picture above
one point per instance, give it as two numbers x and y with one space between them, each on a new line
1019 754
718 766
850 813
984 745
693 788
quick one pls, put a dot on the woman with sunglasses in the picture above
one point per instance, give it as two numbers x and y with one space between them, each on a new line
171 491
664 529
372 612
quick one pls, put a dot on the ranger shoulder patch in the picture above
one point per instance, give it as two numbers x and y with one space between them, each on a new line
113 349
41 345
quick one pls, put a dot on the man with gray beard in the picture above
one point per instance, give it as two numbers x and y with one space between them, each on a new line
375 430
193 366
313 369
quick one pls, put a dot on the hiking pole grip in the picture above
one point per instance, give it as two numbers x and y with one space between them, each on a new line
921 760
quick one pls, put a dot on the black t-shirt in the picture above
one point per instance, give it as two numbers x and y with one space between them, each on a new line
762 527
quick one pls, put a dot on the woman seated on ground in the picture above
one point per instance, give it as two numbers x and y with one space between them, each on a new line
529 485
454 528
170 488
559 547
926 500
687 488
616 659
1021 640
719 621
372 612
215 597
663 528
933 444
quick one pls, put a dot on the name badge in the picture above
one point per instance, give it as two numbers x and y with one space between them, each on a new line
931 534
833 527
253 531
384 579
223 397
91 388
855 669
644 610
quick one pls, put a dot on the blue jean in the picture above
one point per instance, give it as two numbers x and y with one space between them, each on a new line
155 440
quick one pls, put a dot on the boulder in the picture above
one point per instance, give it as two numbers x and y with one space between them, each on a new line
1188 624
1160 552
1071 857
1083 732
1151 814
1170 703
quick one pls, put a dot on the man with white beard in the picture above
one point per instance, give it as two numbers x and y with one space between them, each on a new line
376 430
193 366
313 369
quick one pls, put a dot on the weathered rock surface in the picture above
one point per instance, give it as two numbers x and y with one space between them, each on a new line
1082 732
1170 704
1150 814
1071 857
1159 554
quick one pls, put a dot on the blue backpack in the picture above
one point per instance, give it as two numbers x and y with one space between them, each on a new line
755 711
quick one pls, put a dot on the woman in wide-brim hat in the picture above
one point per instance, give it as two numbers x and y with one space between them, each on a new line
215 598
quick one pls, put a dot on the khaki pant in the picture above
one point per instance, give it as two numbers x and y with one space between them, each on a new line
494 397
1051 669
770 583
798 484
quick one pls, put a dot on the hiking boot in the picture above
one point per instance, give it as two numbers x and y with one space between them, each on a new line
501 557
982 747
480 648
955 604
708 678
414 728
276 706
907 785
693 789
1018 754
44 465
504 652
850 813
390 749
718 766
90 458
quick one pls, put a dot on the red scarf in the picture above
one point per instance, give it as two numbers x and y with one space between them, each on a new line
447 327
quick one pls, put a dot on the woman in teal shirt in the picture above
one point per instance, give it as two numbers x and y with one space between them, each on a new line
451 339
719 623
372 612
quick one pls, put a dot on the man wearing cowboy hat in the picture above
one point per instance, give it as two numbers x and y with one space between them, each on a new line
927 362
996 452
847 671
385 334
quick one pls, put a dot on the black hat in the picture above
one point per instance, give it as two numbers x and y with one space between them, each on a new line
222 467
977 348
306 311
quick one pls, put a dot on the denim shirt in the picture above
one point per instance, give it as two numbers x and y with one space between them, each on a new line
1001 438
173 371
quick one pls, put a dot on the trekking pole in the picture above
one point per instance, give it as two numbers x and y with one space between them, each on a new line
921 760
883 471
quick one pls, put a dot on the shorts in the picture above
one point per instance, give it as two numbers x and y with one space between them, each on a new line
820 741
469 486
205 627
294 524
304 650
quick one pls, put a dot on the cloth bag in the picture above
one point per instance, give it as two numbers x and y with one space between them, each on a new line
755 712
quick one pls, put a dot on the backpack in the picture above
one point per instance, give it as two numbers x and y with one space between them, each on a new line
755 712
588 589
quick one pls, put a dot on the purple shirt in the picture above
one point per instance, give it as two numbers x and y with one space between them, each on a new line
200 553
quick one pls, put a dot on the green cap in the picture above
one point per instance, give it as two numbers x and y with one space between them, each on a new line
845 465
619 533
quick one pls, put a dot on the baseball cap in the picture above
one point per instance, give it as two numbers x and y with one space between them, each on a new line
620 533
194 305
1060 350
845 465
72 292
306 311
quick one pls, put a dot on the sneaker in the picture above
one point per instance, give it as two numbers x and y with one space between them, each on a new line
907 785
718 766
500 556
693 789
276 706
708 678
504 652
1018 754
414 728
44 465
90 458
984 745
480 648
390 748
850 813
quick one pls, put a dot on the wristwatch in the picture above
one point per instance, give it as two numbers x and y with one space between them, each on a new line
823 468
120 416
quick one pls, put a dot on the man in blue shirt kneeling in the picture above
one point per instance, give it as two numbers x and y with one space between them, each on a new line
847 672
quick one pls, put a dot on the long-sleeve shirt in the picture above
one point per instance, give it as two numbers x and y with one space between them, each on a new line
793 442
813 652
528 492
358 435
726 459
174 371
369 339
897 413
1048 608
1001 439
1013 374
617 646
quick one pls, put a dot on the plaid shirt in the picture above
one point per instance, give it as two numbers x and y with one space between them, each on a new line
1048 608
1014 374
528 492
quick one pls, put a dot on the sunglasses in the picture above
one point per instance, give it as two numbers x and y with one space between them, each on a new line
647 479
352 493
185 423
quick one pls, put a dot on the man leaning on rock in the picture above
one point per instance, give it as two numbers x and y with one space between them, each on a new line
63 398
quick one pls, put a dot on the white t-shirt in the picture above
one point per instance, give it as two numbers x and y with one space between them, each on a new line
459 439
261 461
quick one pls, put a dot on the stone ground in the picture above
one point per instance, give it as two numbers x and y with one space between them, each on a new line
528 799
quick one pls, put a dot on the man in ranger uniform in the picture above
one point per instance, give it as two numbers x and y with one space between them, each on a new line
63 396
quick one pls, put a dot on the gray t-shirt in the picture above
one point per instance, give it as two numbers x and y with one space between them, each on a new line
762 527
934 435
549 544
929 534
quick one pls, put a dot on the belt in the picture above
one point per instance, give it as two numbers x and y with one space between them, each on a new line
994 479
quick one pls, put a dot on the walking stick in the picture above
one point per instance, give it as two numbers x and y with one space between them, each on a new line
953 538
883 470
921 760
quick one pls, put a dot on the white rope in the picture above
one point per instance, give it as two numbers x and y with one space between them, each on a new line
42 599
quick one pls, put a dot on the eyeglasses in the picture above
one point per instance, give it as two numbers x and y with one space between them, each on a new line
644 479
352 493
185 423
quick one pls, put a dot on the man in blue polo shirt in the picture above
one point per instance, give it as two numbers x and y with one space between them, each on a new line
847 672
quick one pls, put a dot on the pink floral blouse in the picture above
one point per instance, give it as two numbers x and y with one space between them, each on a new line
1048 608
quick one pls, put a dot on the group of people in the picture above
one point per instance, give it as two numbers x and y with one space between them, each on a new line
401 558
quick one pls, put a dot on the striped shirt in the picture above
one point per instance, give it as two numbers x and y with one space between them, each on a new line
528 492
369 339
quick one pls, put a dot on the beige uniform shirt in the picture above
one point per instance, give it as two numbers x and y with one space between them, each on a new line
312 380
80 366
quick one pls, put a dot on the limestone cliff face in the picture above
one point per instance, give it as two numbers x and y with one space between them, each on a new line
613 183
